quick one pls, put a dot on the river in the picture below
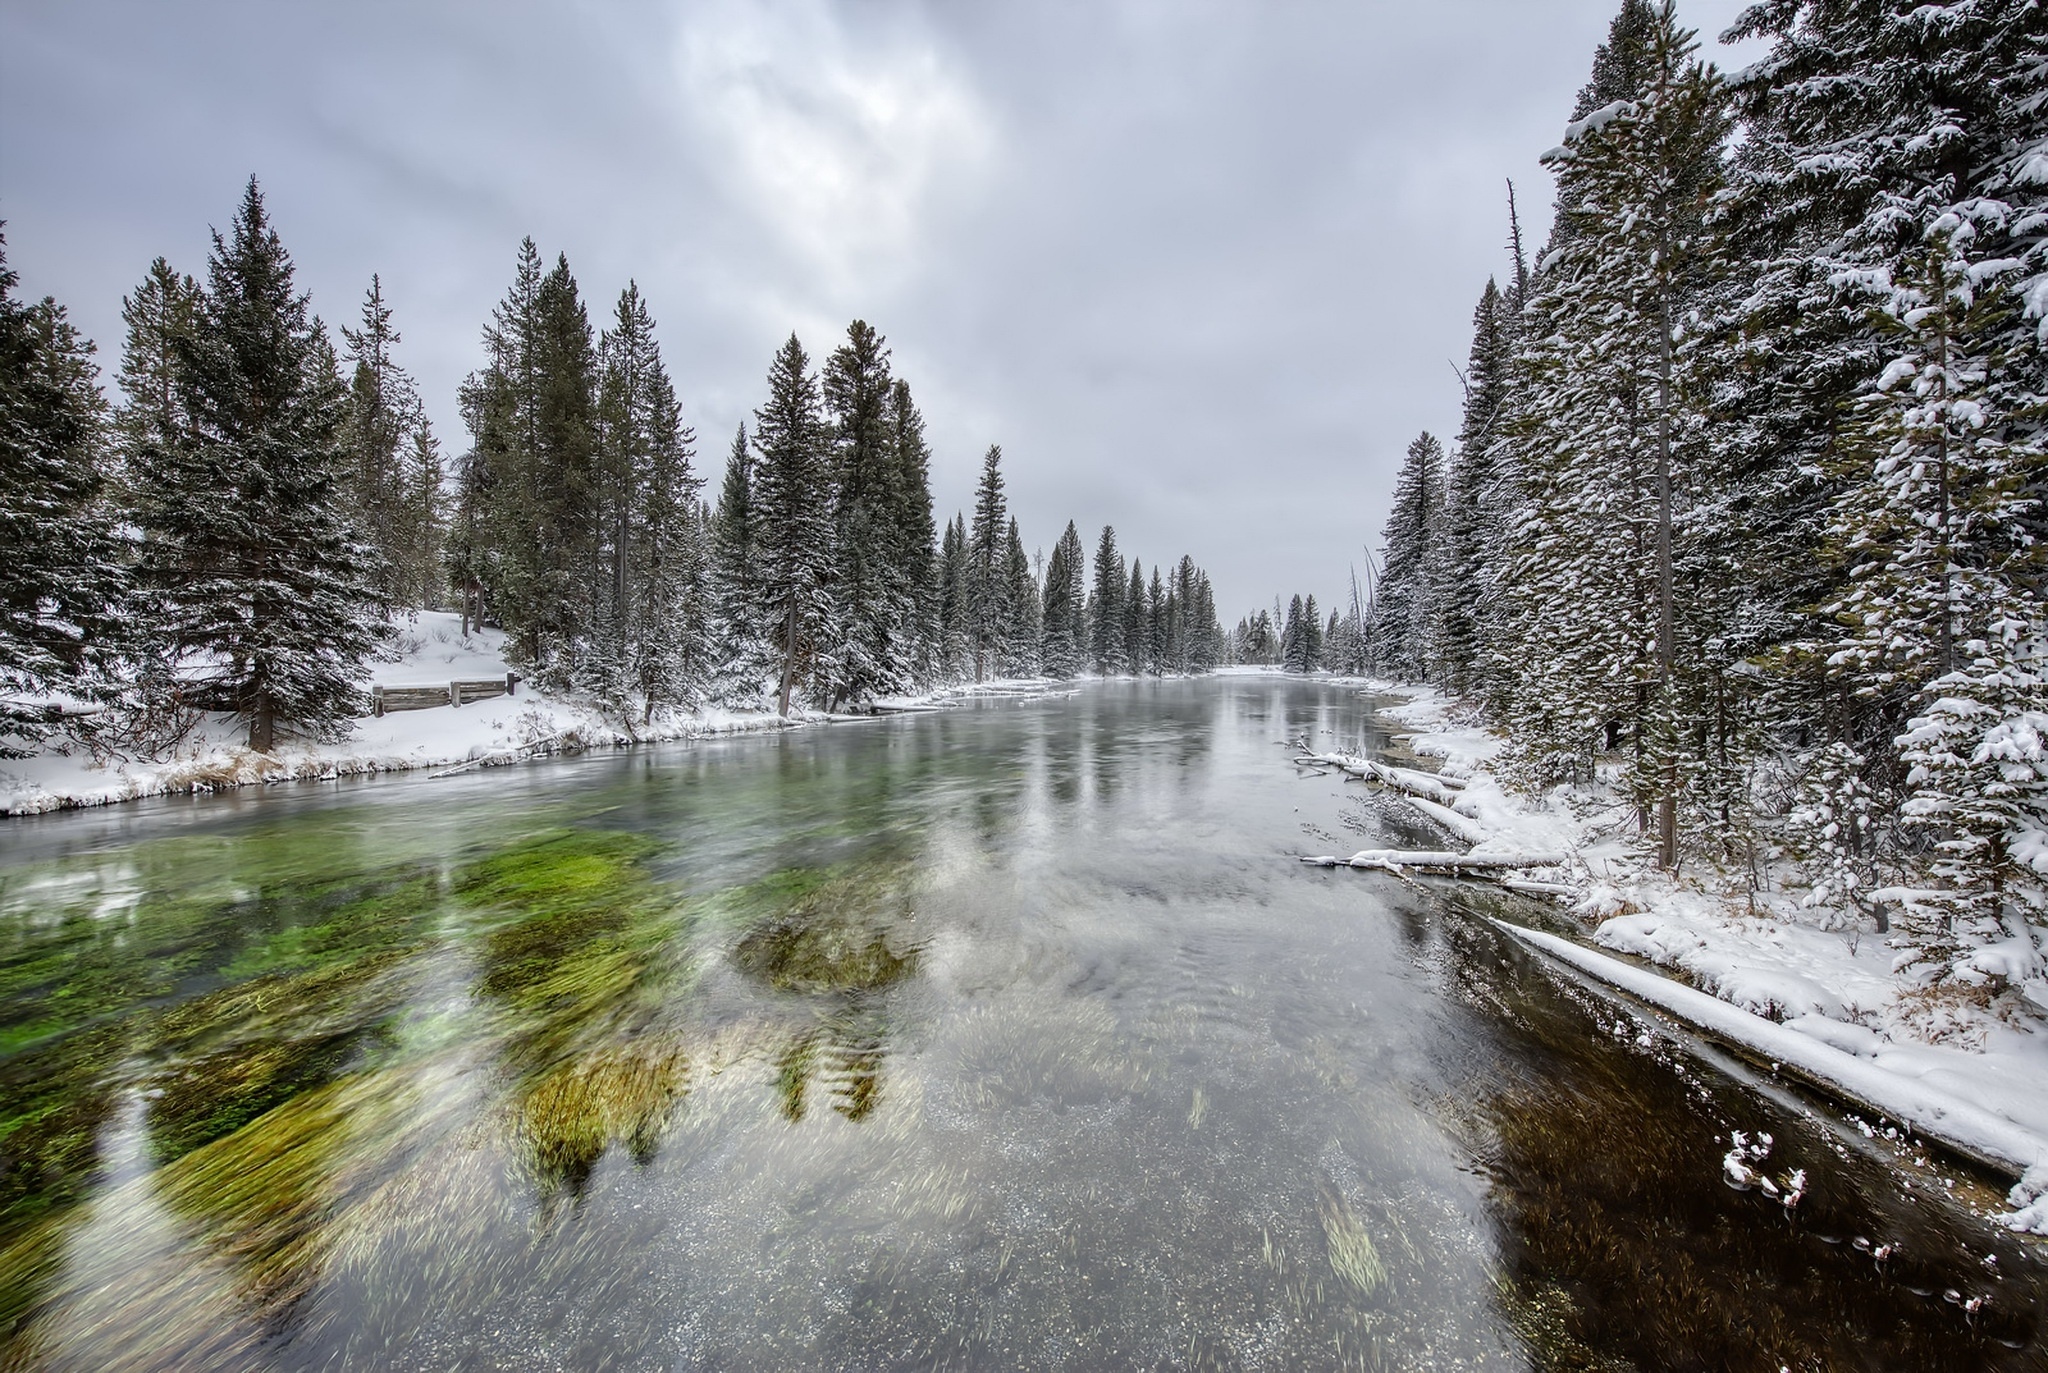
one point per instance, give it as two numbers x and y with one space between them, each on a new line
1012 1036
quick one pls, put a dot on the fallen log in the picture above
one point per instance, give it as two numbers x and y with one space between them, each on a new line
1395 860
1471 831
1429 786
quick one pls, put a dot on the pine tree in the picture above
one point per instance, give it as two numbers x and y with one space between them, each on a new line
1943 604
1472 497
793 517
1415 526
1294 640
989 612
1021 630
62 581
1137 640
738 635
914 550
1106 609
1156 626
384 414
868 642
956 603
1064 651
246 533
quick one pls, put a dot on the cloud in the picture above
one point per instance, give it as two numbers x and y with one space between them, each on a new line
844 142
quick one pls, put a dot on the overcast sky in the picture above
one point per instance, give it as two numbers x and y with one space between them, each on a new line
1200 268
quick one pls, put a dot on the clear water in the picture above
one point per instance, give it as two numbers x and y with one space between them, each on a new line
1008 1037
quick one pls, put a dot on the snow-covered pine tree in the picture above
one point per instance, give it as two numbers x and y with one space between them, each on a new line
1106 608
247 539
1471 498
1294 640
740 654
1415 524
147 421
956 603
868 638
914 542
1311 635
1137 641
1064 643
650 625
1157 642
1610 429
793 534
1021 631
1943 608
989 586
62 581
384 413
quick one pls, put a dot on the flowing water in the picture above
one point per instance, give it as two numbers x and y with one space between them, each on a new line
1009 1037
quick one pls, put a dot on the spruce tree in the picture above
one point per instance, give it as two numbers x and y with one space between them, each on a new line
247 539
384 413
869 638
1414 529
62 580
989 585
738 635
1022 628
914 542
1137 638
956 603
1106 609
793 518
1065 648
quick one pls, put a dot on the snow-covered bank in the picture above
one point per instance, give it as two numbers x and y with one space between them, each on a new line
1745 961
432 650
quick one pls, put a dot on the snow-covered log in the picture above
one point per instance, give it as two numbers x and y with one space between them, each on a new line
1427 785
1397 860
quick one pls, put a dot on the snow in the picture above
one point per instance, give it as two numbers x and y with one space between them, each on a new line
431 650
1752 966
1921 1100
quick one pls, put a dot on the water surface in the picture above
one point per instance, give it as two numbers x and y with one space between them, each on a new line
1012 1036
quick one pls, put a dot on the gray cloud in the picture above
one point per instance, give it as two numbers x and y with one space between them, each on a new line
1199 267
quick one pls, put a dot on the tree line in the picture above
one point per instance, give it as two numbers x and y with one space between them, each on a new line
241 528
1746 507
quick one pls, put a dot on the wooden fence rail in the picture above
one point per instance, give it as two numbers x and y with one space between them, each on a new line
385 699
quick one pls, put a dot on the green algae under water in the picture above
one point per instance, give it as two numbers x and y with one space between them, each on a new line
1010 1037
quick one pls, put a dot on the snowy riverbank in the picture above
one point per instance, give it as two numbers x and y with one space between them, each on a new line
1753 967
431 651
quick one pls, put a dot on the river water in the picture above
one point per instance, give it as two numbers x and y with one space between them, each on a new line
1007 1037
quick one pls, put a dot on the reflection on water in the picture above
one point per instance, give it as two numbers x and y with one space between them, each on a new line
1006 1037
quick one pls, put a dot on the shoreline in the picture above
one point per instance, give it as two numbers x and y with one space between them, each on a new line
1752 968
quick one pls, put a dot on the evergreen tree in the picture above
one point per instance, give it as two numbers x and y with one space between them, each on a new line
1137 635
738 634
247 539
956 603
868 644
914 549
384 414
989 584
1064 652
1156 626
1294 640
1106 609
793 517
62 581
1311 635
1473 497
1021 632
1415 526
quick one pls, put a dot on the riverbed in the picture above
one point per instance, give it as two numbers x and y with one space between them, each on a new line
1005 1036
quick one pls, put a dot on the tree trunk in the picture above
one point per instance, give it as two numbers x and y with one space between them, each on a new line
789 658
1667 617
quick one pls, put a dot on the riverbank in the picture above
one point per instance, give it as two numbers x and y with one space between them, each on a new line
1748 941
431 650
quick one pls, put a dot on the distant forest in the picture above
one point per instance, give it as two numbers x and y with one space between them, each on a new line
240 527
1746 511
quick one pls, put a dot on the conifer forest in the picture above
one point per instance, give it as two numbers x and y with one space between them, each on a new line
1205 802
